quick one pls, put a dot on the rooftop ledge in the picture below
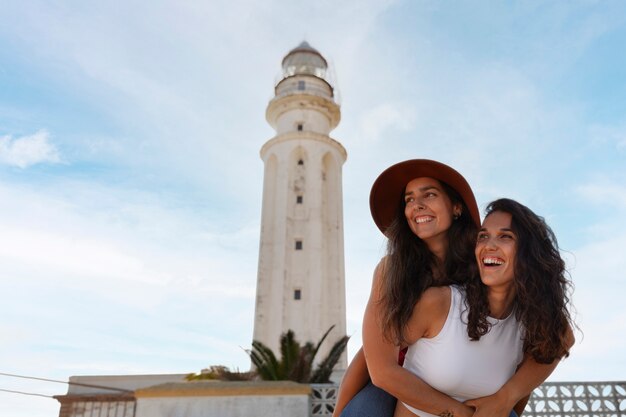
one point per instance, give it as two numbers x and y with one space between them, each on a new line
224 389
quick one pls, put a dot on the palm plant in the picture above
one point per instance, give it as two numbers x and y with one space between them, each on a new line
220 373
296 361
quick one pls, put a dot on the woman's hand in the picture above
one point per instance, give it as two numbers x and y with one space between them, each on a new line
463 410
495 405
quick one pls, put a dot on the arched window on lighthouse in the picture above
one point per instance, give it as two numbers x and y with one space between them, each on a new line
300 161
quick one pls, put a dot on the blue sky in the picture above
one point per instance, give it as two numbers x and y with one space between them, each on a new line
130 177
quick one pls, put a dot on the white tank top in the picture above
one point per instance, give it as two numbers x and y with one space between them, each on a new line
453 364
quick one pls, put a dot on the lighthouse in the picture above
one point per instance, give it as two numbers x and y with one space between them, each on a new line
300 282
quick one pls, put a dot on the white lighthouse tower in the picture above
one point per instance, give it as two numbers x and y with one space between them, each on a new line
300 283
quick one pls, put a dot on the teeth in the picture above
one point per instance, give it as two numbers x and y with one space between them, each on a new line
493 261
423 219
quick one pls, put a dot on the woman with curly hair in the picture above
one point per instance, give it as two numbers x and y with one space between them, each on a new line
467 340
430 216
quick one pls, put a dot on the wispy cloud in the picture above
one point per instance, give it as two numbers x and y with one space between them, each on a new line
386 116
604 193
602 134
25 151
130 274
598 277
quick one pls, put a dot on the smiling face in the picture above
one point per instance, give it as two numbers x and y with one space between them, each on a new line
429 211
496 249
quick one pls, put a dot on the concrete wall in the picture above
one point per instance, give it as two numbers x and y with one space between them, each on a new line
224 399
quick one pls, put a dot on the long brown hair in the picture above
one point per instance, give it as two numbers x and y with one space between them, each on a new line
542 287
411 267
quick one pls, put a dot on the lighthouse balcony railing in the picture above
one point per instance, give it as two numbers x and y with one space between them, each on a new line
309 89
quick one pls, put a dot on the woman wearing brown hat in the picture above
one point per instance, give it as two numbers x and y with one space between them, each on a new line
429 214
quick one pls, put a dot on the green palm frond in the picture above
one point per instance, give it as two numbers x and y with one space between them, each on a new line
314 353
296 361
289 351
325 368
265 361
302 369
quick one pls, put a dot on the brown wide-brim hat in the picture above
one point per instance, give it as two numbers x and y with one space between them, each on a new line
389 187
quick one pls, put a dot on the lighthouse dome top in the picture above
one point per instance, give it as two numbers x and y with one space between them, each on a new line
306 60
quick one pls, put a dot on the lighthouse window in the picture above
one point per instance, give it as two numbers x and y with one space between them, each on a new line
297 294
298 245
299 199
300 85
300 127
300 162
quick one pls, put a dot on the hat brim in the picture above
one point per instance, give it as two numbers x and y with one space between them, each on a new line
388 188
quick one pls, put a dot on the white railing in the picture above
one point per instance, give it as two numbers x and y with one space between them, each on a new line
552 399
578 399
308 89
323 399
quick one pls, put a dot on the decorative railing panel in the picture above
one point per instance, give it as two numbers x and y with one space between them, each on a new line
578 399
323 398
552 399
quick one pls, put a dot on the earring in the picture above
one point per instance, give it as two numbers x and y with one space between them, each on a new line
456 216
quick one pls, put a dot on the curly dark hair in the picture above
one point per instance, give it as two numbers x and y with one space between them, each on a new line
541 283
411 267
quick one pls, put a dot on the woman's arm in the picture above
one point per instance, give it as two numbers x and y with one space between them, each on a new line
382 358
355 378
